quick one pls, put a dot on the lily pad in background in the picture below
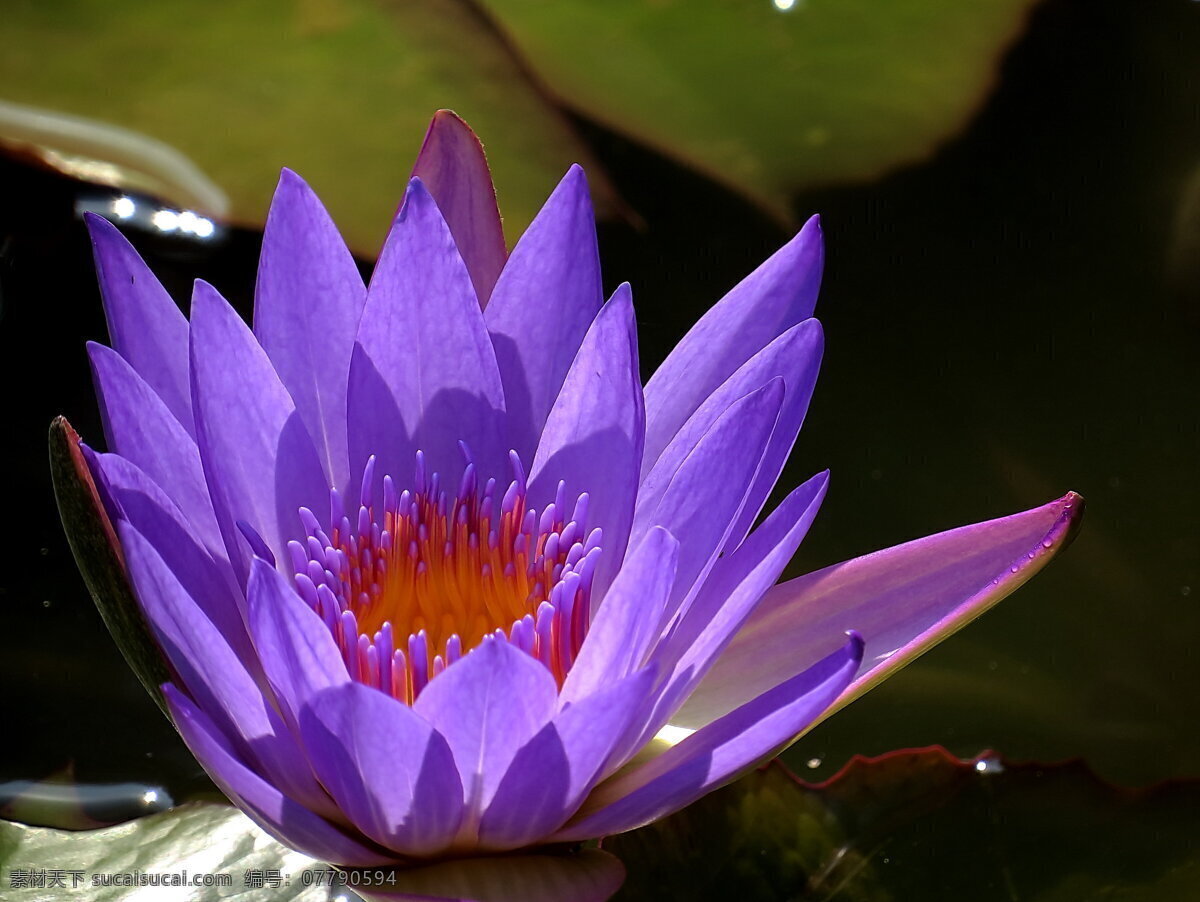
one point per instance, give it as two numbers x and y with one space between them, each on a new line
922 825
909 825
770 97
340 90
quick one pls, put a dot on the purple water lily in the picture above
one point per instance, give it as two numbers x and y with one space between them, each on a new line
431 569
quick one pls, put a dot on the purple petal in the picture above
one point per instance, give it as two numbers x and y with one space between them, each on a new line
552 773
290 823
212 674
487 706
258 458
772 299
423 354
626 625
903 600
546 297
139 427
299 656
593 436
717 753
738 580
390 772
307 305
729 596
137 499
453 168
145 326
709 488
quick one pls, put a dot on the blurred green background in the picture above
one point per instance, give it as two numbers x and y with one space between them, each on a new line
1011 199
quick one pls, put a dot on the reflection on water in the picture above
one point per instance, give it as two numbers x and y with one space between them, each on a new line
150 215
67 805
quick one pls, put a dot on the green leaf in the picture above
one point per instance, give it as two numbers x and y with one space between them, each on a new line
97 554
922 825
199 839
202 838
765 100
339 90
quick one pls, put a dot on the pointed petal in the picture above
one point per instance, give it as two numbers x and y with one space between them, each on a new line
729 596
772 299
487 706
738 581
258 458
307 304
390 772
625 627
593 436
546 297
131 495
423 348
717 753
454 169
903 600
145 326
139 427
708 490
212 674
290 823
298 654
552 773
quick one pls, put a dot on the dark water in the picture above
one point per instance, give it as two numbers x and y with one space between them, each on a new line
1013 318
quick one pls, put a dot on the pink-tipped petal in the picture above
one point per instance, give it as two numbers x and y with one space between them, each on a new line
903 600
454 169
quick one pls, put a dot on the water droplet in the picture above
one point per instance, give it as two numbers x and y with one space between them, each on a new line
1047 543
1014 568
46 603
989 765
1185 590
813 763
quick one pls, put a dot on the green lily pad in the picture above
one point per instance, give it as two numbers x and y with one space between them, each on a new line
764 100
922 825
767 99
218 853
339 90
196 842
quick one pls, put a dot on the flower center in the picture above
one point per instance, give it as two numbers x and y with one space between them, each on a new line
409 585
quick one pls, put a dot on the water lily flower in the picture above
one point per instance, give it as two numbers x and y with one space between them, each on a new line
430 569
